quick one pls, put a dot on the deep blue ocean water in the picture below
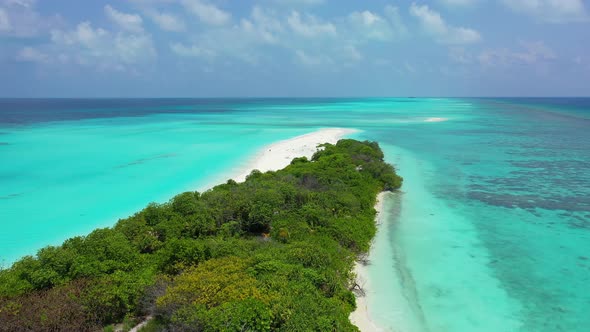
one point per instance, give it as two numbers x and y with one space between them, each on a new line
491 231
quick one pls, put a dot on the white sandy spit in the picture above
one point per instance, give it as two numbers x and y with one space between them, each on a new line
360 317
436 119
279 155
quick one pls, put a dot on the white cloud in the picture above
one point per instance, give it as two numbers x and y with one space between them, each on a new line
495 57
4 21
129 22
19 18
539 49
133 49
460 3
409 68
22 3
312 60
366 17
300 2
190 51
553 11
394 18
353 53
167 21
100 48
460 55
368 25
262 26
30 54
244 41
311 40
435 25
206 12
84 34
123 48
581 63
310 26
529 54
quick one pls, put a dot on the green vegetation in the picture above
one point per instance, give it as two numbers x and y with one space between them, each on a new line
272 253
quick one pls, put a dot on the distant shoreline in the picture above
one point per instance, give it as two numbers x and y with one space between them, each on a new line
278 155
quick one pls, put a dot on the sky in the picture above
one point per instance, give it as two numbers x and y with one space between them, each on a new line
294 48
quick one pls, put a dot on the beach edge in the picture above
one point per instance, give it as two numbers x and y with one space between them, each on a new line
360 317
278 155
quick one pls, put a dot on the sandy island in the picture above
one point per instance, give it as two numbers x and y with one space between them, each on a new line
279 155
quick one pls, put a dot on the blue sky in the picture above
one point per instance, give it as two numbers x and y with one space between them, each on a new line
217 48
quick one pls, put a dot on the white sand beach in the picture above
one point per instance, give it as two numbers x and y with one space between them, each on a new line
278 155
436 119
360 317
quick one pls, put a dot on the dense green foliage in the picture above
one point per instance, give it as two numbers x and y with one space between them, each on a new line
272 253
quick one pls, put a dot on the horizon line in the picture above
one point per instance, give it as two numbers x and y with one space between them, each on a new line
297 97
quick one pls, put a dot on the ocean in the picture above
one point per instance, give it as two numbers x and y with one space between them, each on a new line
490 232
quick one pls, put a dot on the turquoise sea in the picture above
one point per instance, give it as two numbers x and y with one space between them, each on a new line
491 231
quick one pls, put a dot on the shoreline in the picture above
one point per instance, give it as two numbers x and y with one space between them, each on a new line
360 316
279 155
